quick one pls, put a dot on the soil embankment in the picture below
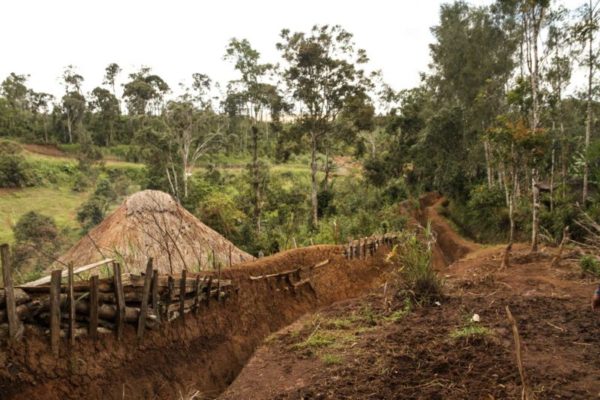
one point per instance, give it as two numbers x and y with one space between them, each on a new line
361 348
205 354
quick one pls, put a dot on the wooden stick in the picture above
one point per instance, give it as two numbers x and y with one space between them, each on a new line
93 327
214 259
55 311
197 289
120 296
219 284
76 271
145 295
170 290
182 295
9 294
565 239
71 300
506 257
155 293
208 289
525 394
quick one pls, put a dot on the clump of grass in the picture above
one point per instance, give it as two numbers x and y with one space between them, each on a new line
471 331
399 315
413 257
317 340
590 264
331 359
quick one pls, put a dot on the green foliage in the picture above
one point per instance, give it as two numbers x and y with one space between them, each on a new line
37 242
14 170
413 260
471 331
590 264
36 228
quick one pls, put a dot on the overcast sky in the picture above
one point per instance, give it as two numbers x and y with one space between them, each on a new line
177 37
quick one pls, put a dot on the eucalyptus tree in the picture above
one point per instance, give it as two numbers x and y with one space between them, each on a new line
73 101
322 71
192 130
256 96
107 112
584 32
110 76
144 91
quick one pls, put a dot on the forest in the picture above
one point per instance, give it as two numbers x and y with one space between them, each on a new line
315 148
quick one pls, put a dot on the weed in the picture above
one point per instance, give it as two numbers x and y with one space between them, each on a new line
471 331
590 264
331 359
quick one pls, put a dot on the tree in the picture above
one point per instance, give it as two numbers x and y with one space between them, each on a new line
256 96
106 106
73 102
322 72
584 32
144 91
110 76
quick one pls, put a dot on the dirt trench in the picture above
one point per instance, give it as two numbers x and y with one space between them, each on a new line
204 354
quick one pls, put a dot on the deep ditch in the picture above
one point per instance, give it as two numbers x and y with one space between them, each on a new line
205 354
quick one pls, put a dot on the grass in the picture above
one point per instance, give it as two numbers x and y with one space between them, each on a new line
331 359
471 331
60 203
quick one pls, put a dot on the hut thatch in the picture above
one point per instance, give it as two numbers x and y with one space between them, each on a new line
151 223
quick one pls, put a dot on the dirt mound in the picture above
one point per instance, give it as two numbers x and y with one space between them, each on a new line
359 349
152 224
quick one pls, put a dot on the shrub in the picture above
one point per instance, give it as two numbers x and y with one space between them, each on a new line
590 264
414 266
36 228
13 167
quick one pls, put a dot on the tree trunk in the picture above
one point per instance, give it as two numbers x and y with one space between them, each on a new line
488 165
313 177
588 124
535 220
256 180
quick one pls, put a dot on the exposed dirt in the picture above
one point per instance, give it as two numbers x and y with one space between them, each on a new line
205 354
44 149
360 349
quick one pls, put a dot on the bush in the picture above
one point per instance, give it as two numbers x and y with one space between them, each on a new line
413 259
36 228
590 264
14 170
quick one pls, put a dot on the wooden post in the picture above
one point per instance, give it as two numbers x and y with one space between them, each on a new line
214 259
208 289
9 293
170 290
182 295
145 296
71 300
93 327
120 297
155 293
197 294
55 311
230 257
219 284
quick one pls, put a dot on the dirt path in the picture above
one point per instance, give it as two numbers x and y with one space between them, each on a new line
359 349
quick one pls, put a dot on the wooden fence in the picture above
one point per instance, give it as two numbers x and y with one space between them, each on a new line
71 309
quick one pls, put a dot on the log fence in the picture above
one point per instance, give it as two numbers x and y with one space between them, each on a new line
101 305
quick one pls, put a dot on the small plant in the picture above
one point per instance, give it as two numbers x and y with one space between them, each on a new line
317 340
471 331
413 257
331 359
399 315
590 264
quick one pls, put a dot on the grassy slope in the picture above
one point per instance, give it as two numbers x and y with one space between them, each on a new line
61 203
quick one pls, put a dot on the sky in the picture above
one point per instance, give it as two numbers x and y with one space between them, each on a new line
179 37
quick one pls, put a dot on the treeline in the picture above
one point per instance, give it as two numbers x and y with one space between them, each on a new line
497 124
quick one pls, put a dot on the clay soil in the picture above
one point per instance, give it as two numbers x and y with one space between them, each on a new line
365 349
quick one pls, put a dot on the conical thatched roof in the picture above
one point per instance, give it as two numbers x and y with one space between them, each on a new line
152 224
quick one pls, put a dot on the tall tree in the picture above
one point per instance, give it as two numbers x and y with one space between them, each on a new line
73 101
322 72
584 32
144 91
258 96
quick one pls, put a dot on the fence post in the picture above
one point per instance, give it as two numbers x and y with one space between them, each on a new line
170 290
182 286
208 290
219 284
145 295
93 327
155 306
197 294
214 260
55 311
71 299
120 296
9 293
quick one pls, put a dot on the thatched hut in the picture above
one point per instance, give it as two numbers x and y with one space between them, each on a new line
151 223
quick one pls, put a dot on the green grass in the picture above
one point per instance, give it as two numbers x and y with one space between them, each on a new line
471 331
331 359
60 203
